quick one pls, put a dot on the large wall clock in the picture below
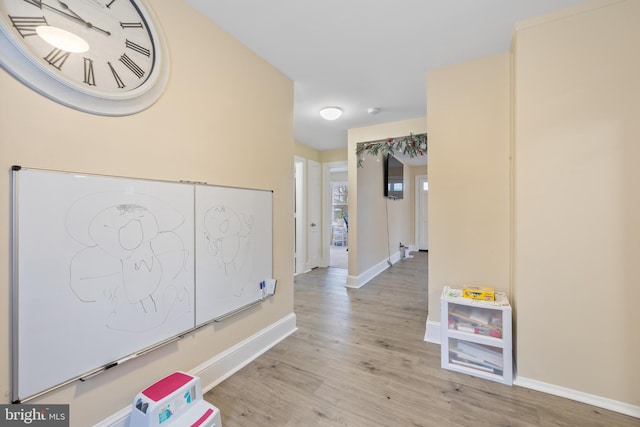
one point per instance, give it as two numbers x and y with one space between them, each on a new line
105 57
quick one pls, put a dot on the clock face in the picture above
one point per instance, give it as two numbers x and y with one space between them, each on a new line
96 53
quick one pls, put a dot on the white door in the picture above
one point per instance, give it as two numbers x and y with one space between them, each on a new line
314 239
422 207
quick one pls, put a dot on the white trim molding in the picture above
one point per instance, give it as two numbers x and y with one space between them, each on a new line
300 214
416 214
432 335
432 332
579 396
364 278
220 367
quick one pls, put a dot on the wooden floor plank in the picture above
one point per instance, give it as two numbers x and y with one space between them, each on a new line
359 359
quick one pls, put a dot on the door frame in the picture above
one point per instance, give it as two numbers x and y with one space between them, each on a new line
312 261
417 216
326 207
300 218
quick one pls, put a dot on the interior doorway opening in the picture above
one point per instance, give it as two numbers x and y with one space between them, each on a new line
422 216
339 227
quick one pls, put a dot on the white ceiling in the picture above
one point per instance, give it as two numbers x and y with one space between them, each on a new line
358 54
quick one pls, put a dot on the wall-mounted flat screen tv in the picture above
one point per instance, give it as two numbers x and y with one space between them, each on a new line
393 178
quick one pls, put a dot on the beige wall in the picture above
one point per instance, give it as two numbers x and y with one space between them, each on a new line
574 207
339 155
325 156
307 152
232 125
368 206
577 203
417 170
469 200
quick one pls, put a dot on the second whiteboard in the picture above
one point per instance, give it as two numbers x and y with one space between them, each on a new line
233 241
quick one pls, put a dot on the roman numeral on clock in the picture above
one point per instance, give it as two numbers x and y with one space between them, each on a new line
137 48
57 58
89 76
119 81
26 25
135 69
36 3
131 25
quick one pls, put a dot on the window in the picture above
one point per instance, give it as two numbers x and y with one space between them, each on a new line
340 200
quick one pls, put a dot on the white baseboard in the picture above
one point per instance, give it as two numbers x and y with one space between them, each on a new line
225 364
432 332
432 335
579 396
364 278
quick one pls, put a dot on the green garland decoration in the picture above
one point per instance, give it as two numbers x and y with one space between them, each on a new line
412 146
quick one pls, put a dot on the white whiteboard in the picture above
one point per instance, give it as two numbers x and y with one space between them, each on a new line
106 267
233 236
103 268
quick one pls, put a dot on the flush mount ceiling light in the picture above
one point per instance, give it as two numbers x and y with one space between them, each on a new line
331 113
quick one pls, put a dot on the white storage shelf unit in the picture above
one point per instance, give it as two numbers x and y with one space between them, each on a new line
339 236
476 336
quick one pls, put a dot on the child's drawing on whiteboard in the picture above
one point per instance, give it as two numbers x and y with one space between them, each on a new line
133 260
228 235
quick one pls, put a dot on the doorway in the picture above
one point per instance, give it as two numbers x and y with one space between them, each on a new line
422 209
339 217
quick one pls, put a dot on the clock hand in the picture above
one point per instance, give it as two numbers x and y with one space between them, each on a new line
87 23
66 7
75 17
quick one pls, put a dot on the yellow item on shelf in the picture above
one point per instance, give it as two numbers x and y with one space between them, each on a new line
479 292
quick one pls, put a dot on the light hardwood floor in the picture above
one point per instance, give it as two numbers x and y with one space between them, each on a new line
338 257
359 359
